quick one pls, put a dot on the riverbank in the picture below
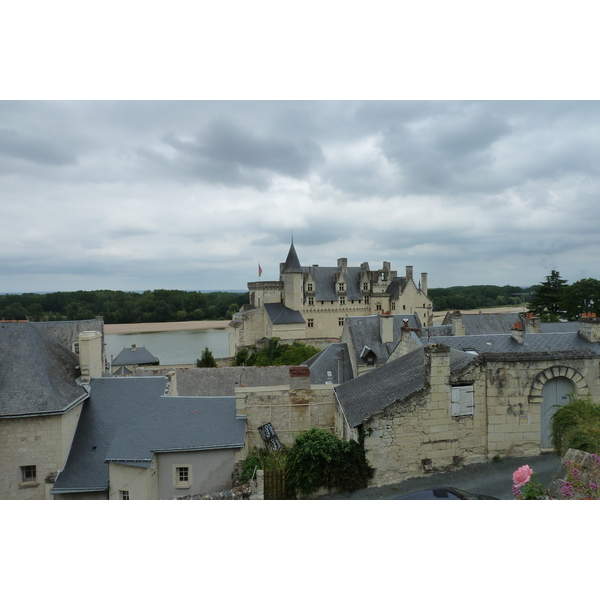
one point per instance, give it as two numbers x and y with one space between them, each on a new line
161 327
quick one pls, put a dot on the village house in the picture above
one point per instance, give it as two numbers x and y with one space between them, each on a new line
313 302
68 430
466 398
129 359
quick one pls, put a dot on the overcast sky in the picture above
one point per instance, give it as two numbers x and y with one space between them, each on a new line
193 195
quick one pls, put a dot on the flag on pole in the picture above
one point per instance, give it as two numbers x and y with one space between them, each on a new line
259 270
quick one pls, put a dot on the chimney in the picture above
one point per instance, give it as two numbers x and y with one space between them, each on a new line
409 272
90 355
133 347
299 378
424 283
458 327
386 328
343 265
589 327
437 366
517 332
533 324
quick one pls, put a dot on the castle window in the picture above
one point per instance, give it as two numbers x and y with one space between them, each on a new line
310 323
124 495
393 306
309 287
341 287
367 300
28 473
365 287
311 301
341 321
343 300
378 307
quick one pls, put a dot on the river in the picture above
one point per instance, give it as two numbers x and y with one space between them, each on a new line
171 347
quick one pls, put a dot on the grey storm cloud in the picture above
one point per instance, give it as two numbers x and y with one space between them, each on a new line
155 193
232 155
33 149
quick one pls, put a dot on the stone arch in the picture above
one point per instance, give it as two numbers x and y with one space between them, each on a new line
581 387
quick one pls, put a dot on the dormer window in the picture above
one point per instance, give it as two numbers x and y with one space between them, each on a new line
311 300
365 287
309 287
341 287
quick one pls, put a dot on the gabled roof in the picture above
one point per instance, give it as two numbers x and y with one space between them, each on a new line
38 375
365 331
533 343
128 420
331 365
222 381
135 355
398 380
279 314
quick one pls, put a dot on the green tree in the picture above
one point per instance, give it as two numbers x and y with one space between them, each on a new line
583 296
319 458
547 300
207 360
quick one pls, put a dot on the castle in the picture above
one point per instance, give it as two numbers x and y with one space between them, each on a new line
314 302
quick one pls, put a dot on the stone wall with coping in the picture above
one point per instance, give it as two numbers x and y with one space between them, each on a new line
291 409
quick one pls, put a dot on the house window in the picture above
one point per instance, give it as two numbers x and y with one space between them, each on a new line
183 476
124 495
310 323
462 400
343 300
28 473
341 321
76 347
309 287
311 301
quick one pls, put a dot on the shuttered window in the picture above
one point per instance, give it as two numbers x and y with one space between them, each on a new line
462 400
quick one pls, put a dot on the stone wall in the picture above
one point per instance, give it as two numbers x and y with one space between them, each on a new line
291 409
41 441
420 435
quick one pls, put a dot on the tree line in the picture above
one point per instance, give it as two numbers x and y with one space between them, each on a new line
470 297
122 307
555 300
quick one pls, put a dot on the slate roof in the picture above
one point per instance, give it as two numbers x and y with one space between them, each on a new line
571 326
38 375
279 314
395 381
292 264
222 381
67 332
129 356
483 323
547 343
331 365
365 331
128 420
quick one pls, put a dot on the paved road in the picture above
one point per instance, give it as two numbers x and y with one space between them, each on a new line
491 478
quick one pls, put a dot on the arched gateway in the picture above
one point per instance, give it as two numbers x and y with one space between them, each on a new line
552 388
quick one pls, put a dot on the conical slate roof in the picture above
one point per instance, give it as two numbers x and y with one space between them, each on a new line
292 264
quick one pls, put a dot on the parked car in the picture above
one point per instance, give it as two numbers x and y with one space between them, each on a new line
444 493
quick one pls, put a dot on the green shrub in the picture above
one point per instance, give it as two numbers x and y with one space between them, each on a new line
261 458
207 360
319 458
576 425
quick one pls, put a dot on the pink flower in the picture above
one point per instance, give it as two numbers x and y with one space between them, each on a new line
522 476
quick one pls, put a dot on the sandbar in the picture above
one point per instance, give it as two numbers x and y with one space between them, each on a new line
159 327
